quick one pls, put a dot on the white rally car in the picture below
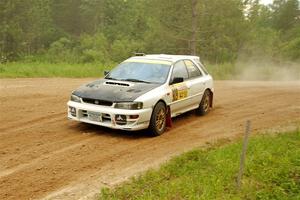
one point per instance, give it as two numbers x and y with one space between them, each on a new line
144 92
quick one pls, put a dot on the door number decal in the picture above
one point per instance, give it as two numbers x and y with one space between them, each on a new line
179 91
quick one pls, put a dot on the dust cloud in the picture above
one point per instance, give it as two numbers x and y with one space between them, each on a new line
267 71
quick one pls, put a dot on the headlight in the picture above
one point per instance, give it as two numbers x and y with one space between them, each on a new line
129 105
75 98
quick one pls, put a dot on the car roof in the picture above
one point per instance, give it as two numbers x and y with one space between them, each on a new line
164 57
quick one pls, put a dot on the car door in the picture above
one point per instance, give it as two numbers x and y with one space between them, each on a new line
180 91
196 82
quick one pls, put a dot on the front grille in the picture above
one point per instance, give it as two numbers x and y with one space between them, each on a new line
97 102
106 118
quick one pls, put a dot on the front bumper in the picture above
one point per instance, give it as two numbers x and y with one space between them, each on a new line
80 112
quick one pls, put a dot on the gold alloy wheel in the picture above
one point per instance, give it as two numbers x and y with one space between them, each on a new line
160 119
206 103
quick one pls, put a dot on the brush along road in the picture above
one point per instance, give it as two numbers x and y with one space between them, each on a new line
44 155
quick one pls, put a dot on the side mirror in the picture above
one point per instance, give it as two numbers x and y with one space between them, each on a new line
177 80
106 72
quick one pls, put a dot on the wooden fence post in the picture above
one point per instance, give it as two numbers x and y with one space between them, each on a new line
243 154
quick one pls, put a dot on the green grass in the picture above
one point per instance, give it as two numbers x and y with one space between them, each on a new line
40 69
226 71
35 69
272 172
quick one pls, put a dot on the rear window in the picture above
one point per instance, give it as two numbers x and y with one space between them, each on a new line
202 67
193 70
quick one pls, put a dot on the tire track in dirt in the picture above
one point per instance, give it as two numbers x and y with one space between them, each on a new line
30 123
79 155
40 159
51 157
39 145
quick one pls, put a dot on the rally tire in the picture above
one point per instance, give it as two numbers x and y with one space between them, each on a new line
158 120
205 104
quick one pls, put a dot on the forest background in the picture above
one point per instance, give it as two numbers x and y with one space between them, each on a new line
105 32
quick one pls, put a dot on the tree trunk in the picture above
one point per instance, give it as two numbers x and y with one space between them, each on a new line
194 27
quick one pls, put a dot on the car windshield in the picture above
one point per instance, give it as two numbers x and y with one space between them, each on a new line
140 72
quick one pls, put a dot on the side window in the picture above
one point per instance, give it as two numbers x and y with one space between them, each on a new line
203 68
179 70
193 70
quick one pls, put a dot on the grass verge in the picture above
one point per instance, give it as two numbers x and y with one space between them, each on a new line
272 172
225 71
36 69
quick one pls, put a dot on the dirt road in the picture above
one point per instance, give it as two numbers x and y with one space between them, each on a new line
43 155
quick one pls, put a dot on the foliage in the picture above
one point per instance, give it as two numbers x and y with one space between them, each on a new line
81 31
93 48
61 50
272 172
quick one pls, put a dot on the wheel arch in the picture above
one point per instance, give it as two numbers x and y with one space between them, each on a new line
163 101
211 96
152 126
168 111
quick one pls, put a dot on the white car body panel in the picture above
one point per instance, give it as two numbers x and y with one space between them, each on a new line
191 90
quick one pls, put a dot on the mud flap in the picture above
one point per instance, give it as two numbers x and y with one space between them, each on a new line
169 119
211 99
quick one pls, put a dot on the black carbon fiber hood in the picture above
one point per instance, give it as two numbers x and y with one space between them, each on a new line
114 91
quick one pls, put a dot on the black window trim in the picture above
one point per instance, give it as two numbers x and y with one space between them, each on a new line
202 68
201 73
173 70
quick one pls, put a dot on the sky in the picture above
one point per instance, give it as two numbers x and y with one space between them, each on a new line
266 2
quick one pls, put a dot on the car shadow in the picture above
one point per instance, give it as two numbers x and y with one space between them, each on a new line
100 130
108 132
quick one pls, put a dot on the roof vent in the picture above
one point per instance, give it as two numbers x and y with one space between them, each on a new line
116 83
139 54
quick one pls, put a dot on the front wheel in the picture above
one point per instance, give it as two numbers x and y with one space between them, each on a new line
158 119
204 105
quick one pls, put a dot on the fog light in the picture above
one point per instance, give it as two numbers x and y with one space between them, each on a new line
120 119
133 116
72 111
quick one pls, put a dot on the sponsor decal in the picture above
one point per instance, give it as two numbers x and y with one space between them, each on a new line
179 91
120 119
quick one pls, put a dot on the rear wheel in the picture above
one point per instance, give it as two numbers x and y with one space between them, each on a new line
204 105
158 119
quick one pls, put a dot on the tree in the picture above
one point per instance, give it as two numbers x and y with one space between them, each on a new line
286 14
216 30
66 15
28 31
